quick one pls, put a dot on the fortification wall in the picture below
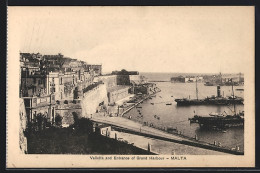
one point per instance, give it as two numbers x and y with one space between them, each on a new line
92 100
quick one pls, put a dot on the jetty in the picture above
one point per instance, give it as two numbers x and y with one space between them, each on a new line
134 105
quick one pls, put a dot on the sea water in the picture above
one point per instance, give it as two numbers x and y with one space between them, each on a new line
177 117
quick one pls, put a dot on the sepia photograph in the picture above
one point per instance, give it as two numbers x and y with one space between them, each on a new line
130 86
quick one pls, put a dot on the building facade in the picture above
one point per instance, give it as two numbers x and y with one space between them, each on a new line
44 105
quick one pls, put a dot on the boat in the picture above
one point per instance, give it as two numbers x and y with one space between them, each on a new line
208 84
217 120
168 103
240 89
213 100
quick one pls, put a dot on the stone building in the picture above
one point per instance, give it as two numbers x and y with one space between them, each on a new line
96 68
179 79
148 88
103 129
33 85
44 105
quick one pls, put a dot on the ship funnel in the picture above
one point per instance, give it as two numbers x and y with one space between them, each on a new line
218 91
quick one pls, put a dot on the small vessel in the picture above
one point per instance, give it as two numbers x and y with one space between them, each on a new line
240 89
168 103
152 103
208 84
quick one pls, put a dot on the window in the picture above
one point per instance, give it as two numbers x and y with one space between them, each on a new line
53 90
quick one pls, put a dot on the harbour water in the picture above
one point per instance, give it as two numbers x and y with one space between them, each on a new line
177 117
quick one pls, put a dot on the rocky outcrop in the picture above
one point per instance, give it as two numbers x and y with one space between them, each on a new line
23 125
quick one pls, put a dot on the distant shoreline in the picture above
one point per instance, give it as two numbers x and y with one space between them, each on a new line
159 81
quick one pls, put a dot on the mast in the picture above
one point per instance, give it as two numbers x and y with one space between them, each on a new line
196 89
233 96
220 78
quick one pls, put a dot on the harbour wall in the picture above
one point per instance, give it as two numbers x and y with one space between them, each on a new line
93 100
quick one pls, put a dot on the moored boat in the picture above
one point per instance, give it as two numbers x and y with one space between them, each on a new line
219 120
213 100
223 120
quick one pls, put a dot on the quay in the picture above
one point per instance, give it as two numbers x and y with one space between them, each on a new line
134 105
128 126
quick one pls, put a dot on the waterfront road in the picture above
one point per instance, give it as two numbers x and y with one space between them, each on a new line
124 123
129 126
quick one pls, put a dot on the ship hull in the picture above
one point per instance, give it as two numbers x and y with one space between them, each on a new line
207 102
218 121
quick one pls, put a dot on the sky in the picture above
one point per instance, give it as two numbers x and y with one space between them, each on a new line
146 39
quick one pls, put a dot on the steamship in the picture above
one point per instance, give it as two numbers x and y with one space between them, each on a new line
220 120
213 100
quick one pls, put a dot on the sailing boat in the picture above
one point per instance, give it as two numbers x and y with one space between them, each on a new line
213 100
